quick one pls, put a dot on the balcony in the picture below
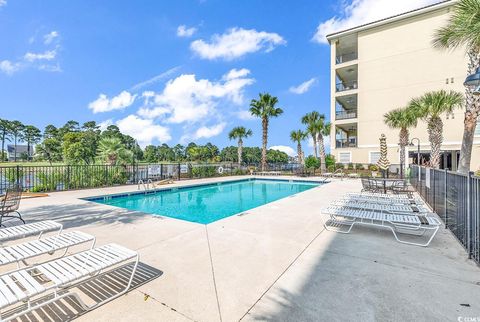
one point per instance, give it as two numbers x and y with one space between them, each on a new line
346 78
346 86
346 49
345 114
345 58
351 142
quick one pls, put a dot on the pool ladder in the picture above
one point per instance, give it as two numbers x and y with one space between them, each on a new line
146 186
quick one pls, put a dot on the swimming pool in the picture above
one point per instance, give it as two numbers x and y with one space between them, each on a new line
207 203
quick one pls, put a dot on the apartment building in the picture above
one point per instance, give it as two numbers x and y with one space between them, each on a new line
380 66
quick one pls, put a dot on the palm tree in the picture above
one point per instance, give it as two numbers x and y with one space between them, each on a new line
402 119
112 151
265 109
298 136
324 130
239 133
463 30
16 129
429 107
5 136
312 120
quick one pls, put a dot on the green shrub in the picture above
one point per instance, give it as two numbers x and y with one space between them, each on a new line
350 166
238 172
373 167
340 166
204 172
330 161
477 173
312 163
359 166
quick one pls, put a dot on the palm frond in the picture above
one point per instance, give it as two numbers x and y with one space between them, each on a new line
463 27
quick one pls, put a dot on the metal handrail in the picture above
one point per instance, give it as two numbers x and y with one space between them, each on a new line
345 143
347 86
340 59
347 114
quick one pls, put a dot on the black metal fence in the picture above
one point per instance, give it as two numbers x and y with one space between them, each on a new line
456 199
68 177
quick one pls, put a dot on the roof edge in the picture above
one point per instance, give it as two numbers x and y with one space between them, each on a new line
384 21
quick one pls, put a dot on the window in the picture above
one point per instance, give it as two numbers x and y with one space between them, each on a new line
345 157
374 157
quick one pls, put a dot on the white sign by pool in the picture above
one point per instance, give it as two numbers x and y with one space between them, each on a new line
183 168
154 170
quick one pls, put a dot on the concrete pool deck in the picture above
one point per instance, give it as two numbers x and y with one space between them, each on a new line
275 263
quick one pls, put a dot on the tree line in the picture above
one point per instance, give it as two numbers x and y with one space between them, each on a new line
88 144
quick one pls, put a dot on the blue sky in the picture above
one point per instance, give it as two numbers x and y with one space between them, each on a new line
172 71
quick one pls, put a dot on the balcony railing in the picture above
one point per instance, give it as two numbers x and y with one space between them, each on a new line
351 142
340 59
347 86
346 114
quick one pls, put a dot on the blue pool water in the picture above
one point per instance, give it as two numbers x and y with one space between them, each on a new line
208 203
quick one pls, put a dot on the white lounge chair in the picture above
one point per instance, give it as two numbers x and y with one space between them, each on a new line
382 206
405 224
49 245
22 231
380 195
399 201
20 286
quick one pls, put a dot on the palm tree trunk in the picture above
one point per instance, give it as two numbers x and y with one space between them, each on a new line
315 151
299 152
404 140
471 117
321 148
435 136
264 143
240 150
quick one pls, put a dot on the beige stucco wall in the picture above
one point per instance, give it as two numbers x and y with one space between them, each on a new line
396 62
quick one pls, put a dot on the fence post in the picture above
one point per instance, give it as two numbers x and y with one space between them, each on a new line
445 199
179 172
469 214
18 174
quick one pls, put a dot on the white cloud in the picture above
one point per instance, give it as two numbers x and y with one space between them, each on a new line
206 132
47 55
245 115
357 12
104 104
288 150
155 79
50 37
236 73
143 130
235 43
104 124
3 3
183 31
186 99
303 87
8 67
51 68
